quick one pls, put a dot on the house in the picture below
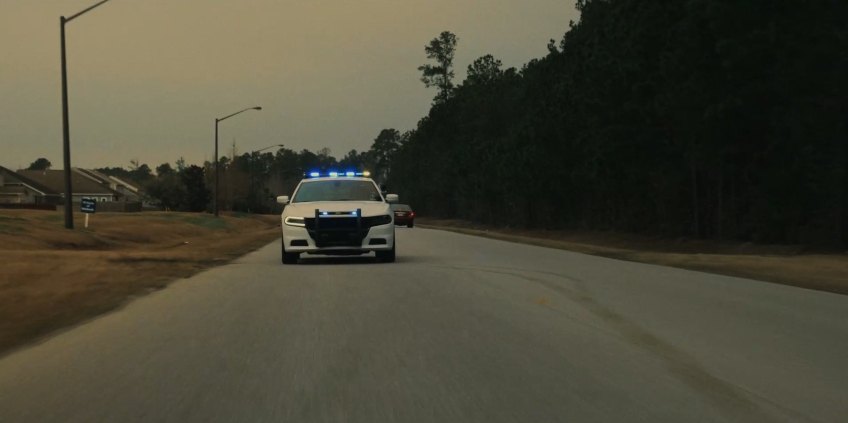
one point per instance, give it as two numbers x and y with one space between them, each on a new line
83 185
129 192
19 189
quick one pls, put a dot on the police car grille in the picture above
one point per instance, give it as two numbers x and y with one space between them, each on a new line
335 231
331 223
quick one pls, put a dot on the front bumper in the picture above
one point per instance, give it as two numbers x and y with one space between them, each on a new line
377 238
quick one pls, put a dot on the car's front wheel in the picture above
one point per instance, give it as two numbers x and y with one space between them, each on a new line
289 258
387 256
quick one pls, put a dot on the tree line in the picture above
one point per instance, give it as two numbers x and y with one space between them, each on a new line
701 118
249 181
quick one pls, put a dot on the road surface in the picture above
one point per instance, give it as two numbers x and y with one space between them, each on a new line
460 329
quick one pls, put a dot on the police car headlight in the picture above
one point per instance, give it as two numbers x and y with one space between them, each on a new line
377 220
295 221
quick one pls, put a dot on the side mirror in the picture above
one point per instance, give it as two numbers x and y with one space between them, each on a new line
391 198
283 199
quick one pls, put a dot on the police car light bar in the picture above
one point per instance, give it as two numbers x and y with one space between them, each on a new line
341 213
334 174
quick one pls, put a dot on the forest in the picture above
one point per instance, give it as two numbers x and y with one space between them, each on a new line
713 119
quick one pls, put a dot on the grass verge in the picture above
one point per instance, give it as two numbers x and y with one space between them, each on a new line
783 264
51 277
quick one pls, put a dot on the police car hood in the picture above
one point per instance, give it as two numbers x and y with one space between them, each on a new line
369 208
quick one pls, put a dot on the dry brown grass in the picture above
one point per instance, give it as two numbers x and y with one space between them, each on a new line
784 264
51 277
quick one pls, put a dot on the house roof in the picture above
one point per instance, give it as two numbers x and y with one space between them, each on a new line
19 178
90 174
55 180
129 186
106 179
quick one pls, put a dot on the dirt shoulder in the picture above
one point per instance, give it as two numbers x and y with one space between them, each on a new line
52 278
788 265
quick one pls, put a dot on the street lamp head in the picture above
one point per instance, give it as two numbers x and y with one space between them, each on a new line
257 108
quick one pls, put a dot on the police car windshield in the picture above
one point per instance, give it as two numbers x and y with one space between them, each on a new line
337 190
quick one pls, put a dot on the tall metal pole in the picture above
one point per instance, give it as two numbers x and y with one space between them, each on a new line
66 134
217 172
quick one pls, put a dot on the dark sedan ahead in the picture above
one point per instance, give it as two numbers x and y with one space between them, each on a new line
404 215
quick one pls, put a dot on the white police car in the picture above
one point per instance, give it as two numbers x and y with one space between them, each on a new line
338 213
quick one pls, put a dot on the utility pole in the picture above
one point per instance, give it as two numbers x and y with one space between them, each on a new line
66 132
217 163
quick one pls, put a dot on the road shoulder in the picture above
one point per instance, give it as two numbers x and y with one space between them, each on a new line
787 265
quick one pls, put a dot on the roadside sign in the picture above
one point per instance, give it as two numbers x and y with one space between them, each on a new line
88 205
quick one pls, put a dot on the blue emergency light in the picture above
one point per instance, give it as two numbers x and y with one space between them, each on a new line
327 213
335 174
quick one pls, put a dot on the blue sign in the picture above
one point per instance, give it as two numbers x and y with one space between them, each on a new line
88 205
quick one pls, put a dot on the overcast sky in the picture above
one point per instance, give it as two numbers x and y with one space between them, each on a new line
148 77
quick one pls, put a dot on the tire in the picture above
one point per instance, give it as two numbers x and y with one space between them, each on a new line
289 258
387 256
410 224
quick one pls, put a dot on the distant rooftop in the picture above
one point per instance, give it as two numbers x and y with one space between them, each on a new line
55 181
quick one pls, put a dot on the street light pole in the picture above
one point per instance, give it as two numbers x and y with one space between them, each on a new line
66 132
215 198
217 163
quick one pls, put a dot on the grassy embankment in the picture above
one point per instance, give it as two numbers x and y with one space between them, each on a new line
51 277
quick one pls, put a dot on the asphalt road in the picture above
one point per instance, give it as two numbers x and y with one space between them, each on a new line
460 329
